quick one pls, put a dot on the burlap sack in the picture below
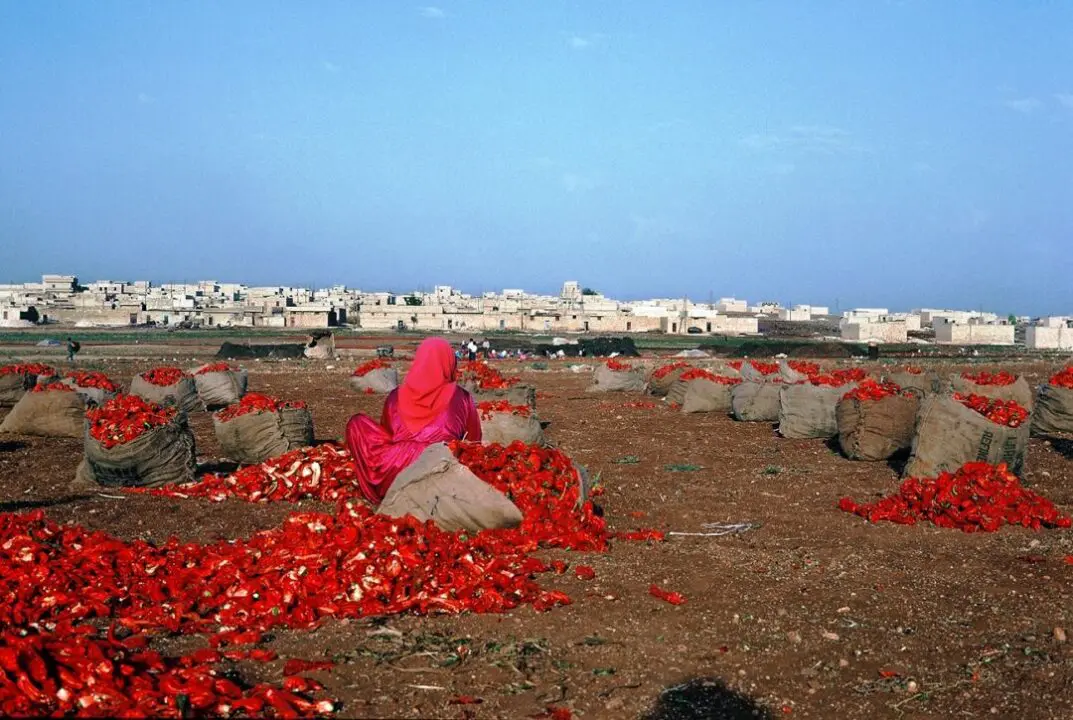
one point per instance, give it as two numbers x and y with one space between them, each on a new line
1054 411
1020 391
948 435
873 430
160 456
380 381
789 375
755 401
750 374
92 395
660 386
607 380
503 428
54 413
439 488
220 389
676 395
925 383
182 395
14 385
808 411
704 396
517 395
255 437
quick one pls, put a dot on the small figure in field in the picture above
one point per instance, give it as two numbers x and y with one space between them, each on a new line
73 347
471 347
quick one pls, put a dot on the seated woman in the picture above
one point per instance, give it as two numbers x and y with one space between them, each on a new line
426 409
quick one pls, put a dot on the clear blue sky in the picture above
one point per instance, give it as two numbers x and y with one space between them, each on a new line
914 153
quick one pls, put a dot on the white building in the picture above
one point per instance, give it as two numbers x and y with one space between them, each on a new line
949 332
874 328
1052 333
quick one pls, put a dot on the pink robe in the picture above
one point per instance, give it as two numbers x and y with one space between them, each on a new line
382 451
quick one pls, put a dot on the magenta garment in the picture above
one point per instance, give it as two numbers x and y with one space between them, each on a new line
382 451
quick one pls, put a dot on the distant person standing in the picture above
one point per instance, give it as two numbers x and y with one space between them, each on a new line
487 347
72 349
471 347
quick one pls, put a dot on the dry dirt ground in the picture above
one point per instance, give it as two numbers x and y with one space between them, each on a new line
813 613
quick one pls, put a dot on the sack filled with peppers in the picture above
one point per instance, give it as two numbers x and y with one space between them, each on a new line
807 408
219 384
952 430
130 442
1054 405
503 423
516 395
260 427
168 386
616 376
703 391
876 420
17 380
919 381
664 376
96 387
376 377
438 487
998 385
51 410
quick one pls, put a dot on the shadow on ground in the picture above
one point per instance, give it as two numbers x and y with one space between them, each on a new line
1063 447
20 505
705 699
11 445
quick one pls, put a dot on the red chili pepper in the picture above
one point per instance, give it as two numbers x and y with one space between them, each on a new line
377 364
486 376
1063 379
999 379
28 369
665 370
90 379
673 598
584 572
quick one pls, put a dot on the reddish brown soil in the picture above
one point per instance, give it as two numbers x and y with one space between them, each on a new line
803 615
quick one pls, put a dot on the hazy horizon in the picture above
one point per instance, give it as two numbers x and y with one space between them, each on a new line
896 154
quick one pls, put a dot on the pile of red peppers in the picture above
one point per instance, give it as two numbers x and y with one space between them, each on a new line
764 368
804 367
1000 379
125 417
216 367
255 403
618 366
699 374
979 496
28 369
322 472
164 376
487 377
870 389
1001 412
375 364
1063 379
838 378
51 387
92 379
665 370
491 407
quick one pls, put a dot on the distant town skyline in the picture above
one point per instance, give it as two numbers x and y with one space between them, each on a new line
896 154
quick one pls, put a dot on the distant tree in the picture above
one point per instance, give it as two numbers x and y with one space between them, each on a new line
588 291
30 314
412 300
1012 319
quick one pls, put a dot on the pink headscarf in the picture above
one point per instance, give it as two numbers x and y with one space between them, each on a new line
430 385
